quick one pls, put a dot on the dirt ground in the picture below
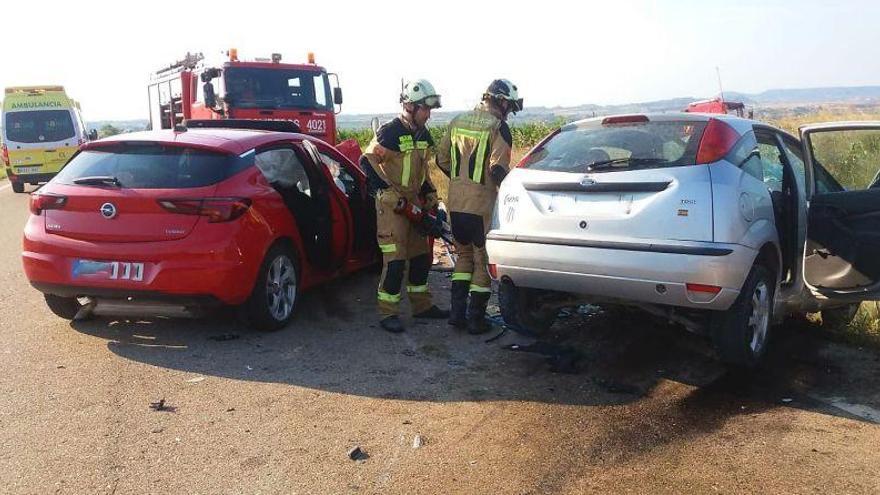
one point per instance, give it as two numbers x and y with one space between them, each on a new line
647 410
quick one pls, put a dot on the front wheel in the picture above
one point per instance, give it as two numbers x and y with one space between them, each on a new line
741 334
521 306
274 296
18 187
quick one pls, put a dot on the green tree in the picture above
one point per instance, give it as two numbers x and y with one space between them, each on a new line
108 130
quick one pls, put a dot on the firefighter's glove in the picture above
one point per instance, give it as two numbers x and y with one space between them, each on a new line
498 173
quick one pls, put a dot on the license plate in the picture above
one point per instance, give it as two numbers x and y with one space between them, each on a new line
27 170
108 270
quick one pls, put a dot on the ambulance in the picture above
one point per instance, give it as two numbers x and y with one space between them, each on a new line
42 129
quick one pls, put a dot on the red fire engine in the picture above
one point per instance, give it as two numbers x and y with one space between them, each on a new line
718 105
263 89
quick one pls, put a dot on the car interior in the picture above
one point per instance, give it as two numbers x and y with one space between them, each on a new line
304 194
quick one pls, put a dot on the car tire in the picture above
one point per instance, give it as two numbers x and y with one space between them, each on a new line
520 307
63 307
742 333
273 299
18 187
839 317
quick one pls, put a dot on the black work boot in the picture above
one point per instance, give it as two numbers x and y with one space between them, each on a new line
434 313
392 324
476 313
459 301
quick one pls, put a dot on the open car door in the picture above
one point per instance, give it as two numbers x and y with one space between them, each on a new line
842 255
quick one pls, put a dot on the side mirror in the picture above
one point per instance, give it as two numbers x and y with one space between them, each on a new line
312 151
210 95
374 124
93 134
337 95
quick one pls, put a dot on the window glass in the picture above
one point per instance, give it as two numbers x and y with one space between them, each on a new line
771 161
150 166
39 126
593 147
282 168
851 157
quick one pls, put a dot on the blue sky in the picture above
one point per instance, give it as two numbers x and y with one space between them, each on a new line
558 53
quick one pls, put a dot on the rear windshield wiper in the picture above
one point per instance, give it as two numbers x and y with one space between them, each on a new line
634 161
98 180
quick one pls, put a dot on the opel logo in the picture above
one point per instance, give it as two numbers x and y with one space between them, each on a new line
587 181
108 210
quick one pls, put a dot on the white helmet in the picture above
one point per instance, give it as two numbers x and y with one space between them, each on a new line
503 89
420 92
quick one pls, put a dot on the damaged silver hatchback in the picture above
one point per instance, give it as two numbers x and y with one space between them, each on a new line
723 224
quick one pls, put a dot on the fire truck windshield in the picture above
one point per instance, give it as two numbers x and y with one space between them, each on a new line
251 87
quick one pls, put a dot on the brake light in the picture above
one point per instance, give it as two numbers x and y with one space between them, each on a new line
5 155
717 141
707 289
44 201
625 119
216 209
493 271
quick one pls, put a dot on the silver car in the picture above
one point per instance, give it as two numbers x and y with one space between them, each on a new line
723 224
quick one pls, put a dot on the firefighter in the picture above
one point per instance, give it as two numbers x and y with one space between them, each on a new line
396 164
475 154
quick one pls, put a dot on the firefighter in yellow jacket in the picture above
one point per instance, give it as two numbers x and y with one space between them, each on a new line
475 153
396 164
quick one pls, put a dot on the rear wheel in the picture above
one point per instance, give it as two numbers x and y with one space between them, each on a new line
274 296
18 187
741 334
522 307
64 307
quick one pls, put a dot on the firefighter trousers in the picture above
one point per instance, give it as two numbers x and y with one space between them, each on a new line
405 253
472 264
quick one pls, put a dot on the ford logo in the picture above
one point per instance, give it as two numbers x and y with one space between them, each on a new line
587 181
108 210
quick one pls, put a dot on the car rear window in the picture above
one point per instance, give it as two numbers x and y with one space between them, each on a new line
150 166
593 147
39 126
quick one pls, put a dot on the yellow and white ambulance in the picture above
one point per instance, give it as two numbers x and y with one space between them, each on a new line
42 129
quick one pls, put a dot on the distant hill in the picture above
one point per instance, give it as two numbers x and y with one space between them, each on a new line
857 95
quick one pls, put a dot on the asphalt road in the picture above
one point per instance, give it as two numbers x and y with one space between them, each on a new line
648 410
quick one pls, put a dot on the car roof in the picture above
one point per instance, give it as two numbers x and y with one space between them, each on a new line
235 141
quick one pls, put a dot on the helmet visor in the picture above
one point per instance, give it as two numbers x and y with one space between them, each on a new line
431 101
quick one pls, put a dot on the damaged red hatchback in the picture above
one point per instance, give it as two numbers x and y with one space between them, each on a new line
171 223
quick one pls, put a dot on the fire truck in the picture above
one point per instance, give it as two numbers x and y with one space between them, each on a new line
263 89
718 105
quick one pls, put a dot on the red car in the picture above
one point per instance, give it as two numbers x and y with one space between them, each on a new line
175 222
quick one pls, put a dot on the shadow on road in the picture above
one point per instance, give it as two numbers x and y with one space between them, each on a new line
334 345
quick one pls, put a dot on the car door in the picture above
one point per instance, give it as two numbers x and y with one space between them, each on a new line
841 259
352 184
333 217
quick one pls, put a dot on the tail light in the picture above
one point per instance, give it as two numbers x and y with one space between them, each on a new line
717 141
40 202
493 271
216 209
5 155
